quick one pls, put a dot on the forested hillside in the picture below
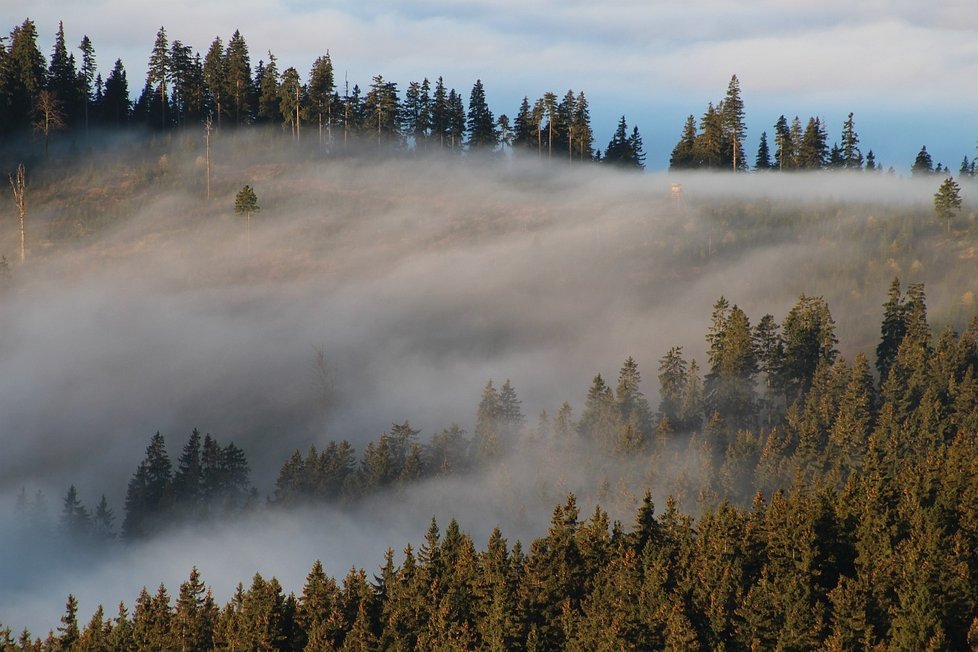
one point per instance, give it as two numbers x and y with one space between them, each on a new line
255 318
832 511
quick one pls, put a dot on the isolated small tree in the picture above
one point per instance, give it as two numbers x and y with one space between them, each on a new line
246 203
18 184
947 201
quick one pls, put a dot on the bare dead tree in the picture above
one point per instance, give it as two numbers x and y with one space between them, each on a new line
208 125
49 116
19 184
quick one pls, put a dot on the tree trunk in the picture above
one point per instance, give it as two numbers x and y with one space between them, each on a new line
19 184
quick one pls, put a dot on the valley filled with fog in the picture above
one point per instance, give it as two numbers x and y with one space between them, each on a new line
371 291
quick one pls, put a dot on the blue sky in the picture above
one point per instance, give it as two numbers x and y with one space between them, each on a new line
905 68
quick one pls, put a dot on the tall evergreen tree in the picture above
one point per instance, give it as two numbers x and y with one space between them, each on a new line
291 95
27 73
480 123
382 108
238 81
813 151
321 89
116 105
763 159
783 144
148 491
621 150
216 80
852 158
62 78
159 74
684 153
86 76
581 124
732 115
923 164
523 132
269 97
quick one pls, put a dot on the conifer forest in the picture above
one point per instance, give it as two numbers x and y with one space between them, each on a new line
291 363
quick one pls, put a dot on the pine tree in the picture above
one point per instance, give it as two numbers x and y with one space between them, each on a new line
625 150
440 113
148 491
947 201
102 521
186 488
216 80
321 89
923 164
291 94
87 75
68 630
711 143
269 98
75 520
160 72
456 120
62 78
892 330
813 151
763 159
583 135
27 73
852 158
523 131
783 142
488 431
684 153
673 376
116 105
238 81
638 150
480 123
194 615
732 117
871 165
808 334
383 110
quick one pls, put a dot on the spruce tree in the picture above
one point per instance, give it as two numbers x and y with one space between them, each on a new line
684 153
923 164
116 105
783 144
320 89
238 81
160 73
947 201
86 76
269 99
27 73
763 159
480 123
732 117
216 80
852 158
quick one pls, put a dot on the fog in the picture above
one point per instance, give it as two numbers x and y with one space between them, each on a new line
419 280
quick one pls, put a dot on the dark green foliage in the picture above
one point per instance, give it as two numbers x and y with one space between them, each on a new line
210 481
480 123
684 153
763 159
625 150
246 201
923 164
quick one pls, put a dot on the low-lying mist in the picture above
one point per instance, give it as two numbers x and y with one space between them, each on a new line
367 292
